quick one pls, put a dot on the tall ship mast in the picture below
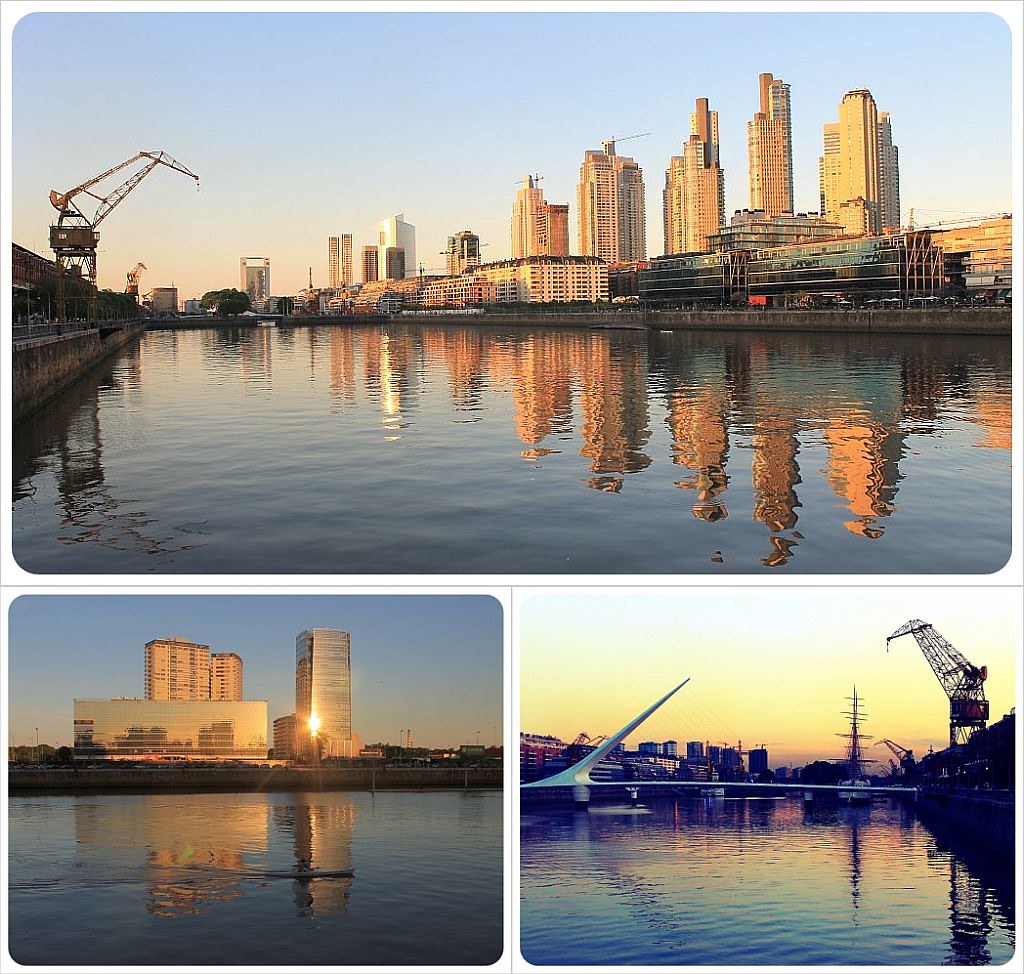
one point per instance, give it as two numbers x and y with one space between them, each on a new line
855 759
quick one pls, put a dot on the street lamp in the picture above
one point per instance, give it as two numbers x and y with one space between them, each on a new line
37 745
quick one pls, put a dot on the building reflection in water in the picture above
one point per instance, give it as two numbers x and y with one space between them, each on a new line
863 468
321 833
699 423
189 860
614 423
580 390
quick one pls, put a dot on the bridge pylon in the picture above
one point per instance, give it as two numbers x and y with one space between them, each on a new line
578 776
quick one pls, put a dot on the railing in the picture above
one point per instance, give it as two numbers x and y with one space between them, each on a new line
56 329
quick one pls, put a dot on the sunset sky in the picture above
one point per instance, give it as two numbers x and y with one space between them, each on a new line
305 125
432 664
770 666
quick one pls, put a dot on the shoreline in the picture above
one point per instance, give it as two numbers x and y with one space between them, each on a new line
932 321
70 781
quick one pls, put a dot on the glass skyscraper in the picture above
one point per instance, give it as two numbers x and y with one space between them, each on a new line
323 690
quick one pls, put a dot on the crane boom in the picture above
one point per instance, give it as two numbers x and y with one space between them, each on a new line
74 239
962 681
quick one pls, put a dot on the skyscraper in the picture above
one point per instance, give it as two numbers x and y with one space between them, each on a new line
694 197
610 200
254 280
323 691
339 260
334 262
225 676
394 263
858 150
539 228
889 174
463 252
770 149
395 232
371 268
177 669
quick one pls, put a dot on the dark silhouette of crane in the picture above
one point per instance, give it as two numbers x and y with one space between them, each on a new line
904 756
134 276
73 238
959 677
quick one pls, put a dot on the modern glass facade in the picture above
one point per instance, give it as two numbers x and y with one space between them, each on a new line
323 689
901 266
686 279
170 729
896 266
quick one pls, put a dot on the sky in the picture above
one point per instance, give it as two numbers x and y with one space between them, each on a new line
766 666
303 125
432 664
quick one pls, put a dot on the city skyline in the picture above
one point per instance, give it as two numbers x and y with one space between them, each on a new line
776 673
290 222
429 663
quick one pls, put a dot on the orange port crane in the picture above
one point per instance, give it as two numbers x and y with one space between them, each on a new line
963 682
73 238
134 275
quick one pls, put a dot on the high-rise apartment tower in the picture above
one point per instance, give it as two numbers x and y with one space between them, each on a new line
371 267
339 260
858 170
694 196
177 669
539 228
463 252
225 676
770 149
610 201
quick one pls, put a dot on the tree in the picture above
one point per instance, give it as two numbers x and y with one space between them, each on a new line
65 755
285 306
227 301
822 773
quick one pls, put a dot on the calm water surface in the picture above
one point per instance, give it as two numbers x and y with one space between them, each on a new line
170 879
751 881
415 448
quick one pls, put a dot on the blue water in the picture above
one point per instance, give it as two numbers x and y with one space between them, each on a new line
175 879
752 882
422 449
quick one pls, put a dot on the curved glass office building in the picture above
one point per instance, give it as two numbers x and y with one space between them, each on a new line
323 690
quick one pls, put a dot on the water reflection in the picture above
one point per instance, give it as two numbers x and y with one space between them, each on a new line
795 435
191 862
758 882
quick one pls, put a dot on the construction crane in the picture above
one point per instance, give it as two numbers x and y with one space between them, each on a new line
73 238
959 677
132 287
583 745
903 755
626 138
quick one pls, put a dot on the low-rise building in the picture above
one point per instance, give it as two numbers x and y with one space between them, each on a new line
170 730
984 252
897 266
284 738
755 230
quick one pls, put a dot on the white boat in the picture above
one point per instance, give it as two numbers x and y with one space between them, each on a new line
266 323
